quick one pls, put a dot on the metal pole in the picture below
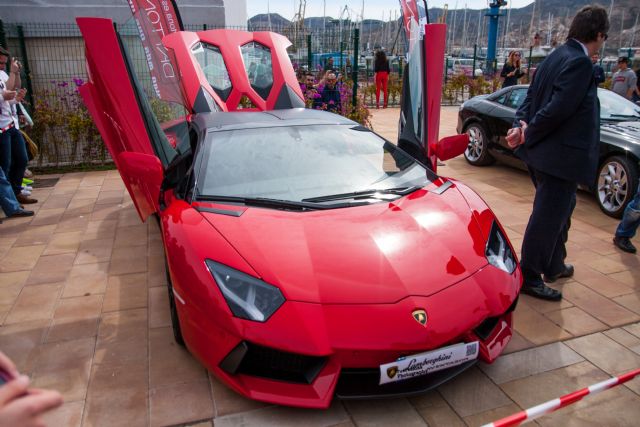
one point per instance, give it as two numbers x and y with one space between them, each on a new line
3 36
464 28
493 14
529 63
633 32
479 26
324 25
25 63
356 43
506 28
446 70
604 44
621 28
453 33
309 54
475 51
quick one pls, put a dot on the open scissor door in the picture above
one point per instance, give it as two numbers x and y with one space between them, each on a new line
422 84
143 122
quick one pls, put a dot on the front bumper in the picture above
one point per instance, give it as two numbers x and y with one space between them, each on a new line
338 348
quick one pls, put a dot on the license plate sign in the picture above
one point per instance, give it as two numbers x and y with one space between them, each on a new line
430 361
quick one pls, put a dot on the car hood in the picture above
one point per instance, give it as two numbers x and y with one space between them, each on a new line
379 253
630 130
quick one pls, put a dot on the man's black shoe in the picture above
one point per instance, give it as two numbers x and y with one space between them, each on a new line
625 244
21 213
542 291
566 272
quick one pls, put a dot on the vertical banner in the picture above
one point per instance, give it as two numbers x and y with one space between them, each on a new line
414 20
411 21
155 19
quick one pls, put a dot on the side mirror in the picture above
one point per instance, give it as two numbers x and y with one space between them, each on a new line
451 146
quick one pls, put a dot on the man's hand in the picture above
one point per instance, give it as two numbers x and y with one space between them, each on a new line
9 95
21 94
515 136
20 406
15 66
7 365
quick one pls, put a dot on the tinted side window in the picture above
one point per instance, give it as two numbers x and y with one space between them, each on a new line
212 63
501 99
517 98
258 66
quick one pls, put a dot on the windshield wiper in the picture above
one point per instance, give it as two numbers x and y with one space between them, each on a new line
264 202
625 116
399 191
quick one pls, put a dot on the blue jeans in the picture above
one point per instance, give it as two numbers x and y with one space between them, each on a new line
8 201
13 157
631 218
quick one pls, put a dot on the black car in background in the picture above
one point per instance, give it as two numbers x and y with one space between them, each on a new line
487 118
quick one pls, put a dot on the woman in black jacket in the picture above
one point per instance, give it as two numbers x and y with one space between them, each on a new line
381 69
511 71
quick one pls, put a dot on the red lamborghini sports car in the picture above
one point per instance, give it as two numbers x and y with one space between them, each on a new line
307 256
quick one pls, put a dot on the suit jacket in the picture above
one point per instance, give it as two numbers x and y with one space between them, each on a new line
598 73
563 116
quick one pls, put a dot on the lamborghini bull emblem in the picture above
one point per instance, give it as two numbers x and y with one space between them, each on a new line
392 371
420 316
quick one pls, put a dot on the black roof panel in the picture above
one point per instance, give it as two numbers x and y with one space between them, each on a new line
255 119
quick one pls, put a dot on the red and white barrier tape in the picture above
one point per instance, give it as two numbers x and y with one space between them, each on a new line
555 404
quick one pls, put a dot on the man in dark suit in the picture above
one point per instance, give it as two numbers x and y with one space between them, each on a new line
556 133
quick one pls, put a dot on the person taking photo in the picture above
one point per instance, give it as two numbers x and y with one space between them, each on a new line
511 71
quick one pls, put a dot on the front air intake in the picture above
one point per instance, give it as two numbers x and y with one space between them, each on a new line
255 360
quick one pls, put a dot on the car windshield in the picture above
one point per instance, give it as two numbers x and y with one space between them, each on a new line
615 107
295 163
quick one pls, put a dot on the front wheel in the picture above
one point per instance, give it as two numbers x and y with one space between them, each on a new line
616 185
477 152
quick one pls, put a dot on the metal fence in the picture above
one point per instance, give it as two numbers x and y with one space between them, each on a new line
53 61
54 67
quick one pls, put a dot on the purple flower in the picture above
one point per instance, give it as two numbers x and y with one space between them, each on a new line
317 95
63 84
78 81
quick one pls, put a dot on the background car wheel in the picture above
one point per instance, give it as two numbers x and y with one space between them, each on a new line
616 185
477 153
175 322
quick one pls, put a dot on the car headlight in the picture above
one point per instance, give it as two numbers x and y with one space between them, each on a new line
247 297
498 251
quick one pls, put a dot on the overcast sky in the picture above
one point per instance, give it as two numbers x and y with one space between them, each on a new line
373 9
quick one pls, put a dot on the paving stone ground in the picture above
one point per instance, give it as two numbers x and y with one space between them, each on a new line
84 310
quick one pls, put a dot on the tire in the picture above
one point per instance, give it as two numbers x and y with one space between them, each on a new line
477 152
616 184
175 321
